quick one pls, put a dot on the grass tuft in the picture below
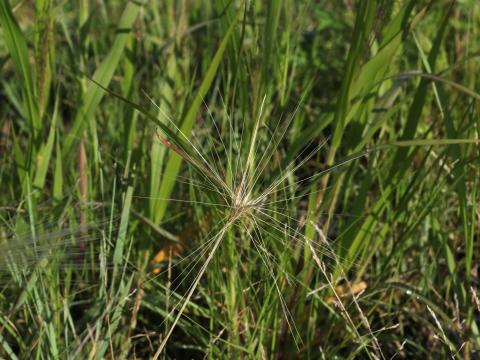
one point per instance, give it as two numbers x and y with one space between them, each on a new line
239 179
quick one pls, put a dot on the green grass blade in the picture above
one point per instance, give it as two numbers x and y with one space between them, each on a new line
115 316
361 31
58 172
416 108
45 152
44 51
173 165
102 75
122 230
273 9
17 47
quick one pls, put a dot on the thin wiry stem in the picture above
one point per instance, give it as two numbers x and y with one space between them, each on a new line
217 242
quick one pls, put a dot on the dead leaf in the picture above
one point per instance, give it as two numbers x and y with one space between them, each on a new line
168 252
347 291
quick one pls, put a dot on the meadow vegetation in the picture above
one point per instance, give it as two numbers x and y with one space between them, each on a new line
225 179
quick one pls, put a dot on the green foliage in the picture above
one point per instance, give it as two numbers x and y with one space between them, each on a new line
237 179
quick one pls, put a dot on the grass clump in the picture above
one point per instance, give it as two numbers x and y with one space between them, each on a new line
239 180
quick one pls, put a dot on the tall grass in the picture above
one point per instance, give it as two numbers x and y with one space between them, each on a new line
234 179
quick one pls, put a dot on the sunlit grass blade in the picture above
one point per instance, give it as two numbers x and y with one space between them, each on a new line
173 165
103 75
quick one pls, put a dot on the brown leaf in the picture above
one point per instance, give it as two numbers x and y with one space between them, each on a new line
347 291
